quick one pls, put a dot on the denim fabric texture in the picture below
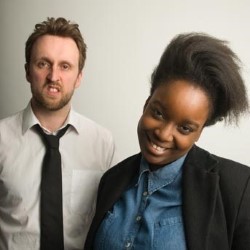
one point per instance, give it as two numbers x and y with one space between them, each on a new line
148 215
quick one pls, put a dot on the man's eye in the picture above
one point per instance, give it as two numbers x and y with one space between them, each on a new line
43 64
65 66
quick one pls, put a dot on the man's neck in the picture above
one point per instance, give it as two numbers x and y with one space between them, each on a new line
51 120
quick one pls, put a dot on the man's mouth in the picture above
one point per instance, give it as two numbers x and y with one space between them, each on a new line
53 89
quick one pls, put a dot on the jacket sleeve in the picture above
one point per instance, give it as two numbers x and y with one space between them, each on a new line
241 237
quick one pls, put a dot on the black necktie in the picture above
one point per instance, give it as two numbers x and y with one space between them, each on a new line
51 193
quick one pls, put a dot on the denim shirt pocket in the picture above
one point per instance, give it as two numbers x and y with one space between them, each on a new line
169 234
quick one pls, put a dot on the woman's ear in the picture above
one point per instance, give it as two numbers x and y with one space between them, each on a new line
146 103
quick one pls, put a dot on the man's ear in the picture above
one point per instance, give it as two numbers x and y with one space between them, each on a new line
26 67
79 79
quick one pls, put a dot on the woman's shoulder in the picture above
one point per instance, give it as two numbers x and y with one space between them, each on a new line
222 163
228 170
132 162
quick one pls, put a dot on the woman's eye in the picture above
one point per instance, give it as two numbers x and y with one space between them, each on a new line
157 113
185 130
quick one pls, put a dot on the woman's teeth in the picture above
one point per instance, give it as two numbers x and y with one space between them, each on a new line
158 148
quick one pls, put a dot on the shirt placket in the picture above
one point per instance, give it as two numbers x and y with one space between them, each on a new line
138 220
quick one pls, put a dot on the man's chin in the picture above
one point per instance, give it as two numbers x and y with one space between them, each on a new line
51 105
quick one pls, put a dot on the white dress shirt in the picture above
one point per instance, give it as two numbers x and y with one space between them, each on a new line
87 150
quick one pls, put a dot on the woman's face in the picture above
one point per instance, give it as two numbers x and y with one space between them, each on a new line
172 121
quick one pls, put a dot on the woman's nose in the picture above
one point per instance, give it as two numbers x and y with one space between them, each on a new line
165 132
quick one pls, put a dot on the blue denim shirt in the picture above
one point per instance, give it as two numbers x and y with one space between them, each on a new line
149 213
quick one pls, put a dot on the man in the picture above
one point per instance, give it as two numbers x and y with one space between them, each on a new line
55 55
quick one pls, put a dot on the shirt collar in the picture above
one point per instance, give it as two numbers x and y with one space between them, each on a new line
162 176
29 119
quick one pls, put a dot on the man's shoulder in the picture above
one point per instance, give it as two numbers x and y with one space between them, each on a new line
10 127
12 120
86 124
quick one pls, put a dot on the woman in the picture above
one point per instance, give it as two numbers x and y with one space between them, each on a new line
175 195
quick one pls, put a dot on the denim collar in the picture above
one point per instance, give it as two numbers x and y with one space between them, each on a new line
162 176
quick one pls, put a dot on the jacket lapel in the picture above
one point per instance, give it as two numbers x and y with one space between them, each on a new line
200 187
117 181
110 189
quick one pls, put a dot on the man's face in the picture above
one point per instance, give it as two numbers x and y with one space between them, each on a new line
172 121
53 72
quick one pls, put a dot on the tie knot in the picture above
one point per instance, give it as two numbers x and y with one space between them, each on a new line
51 141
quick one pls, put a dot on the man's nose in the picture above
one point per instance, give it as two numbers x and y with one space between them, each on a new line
54 74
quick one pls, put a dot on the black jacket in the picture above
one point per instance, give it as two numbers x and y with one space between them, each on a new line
216 200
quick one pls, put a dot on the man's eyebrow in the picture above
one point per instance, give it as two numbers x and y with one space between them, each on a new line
44 58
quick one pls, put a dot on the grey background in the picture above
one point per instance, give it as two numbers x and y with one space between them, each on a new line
125 40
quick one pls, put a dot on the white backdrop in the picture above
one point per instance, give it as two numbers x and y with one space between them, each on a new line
125 40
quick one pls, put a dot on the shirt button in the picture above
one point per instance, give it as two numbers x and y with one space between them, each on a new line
145 193
138 218
128 244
